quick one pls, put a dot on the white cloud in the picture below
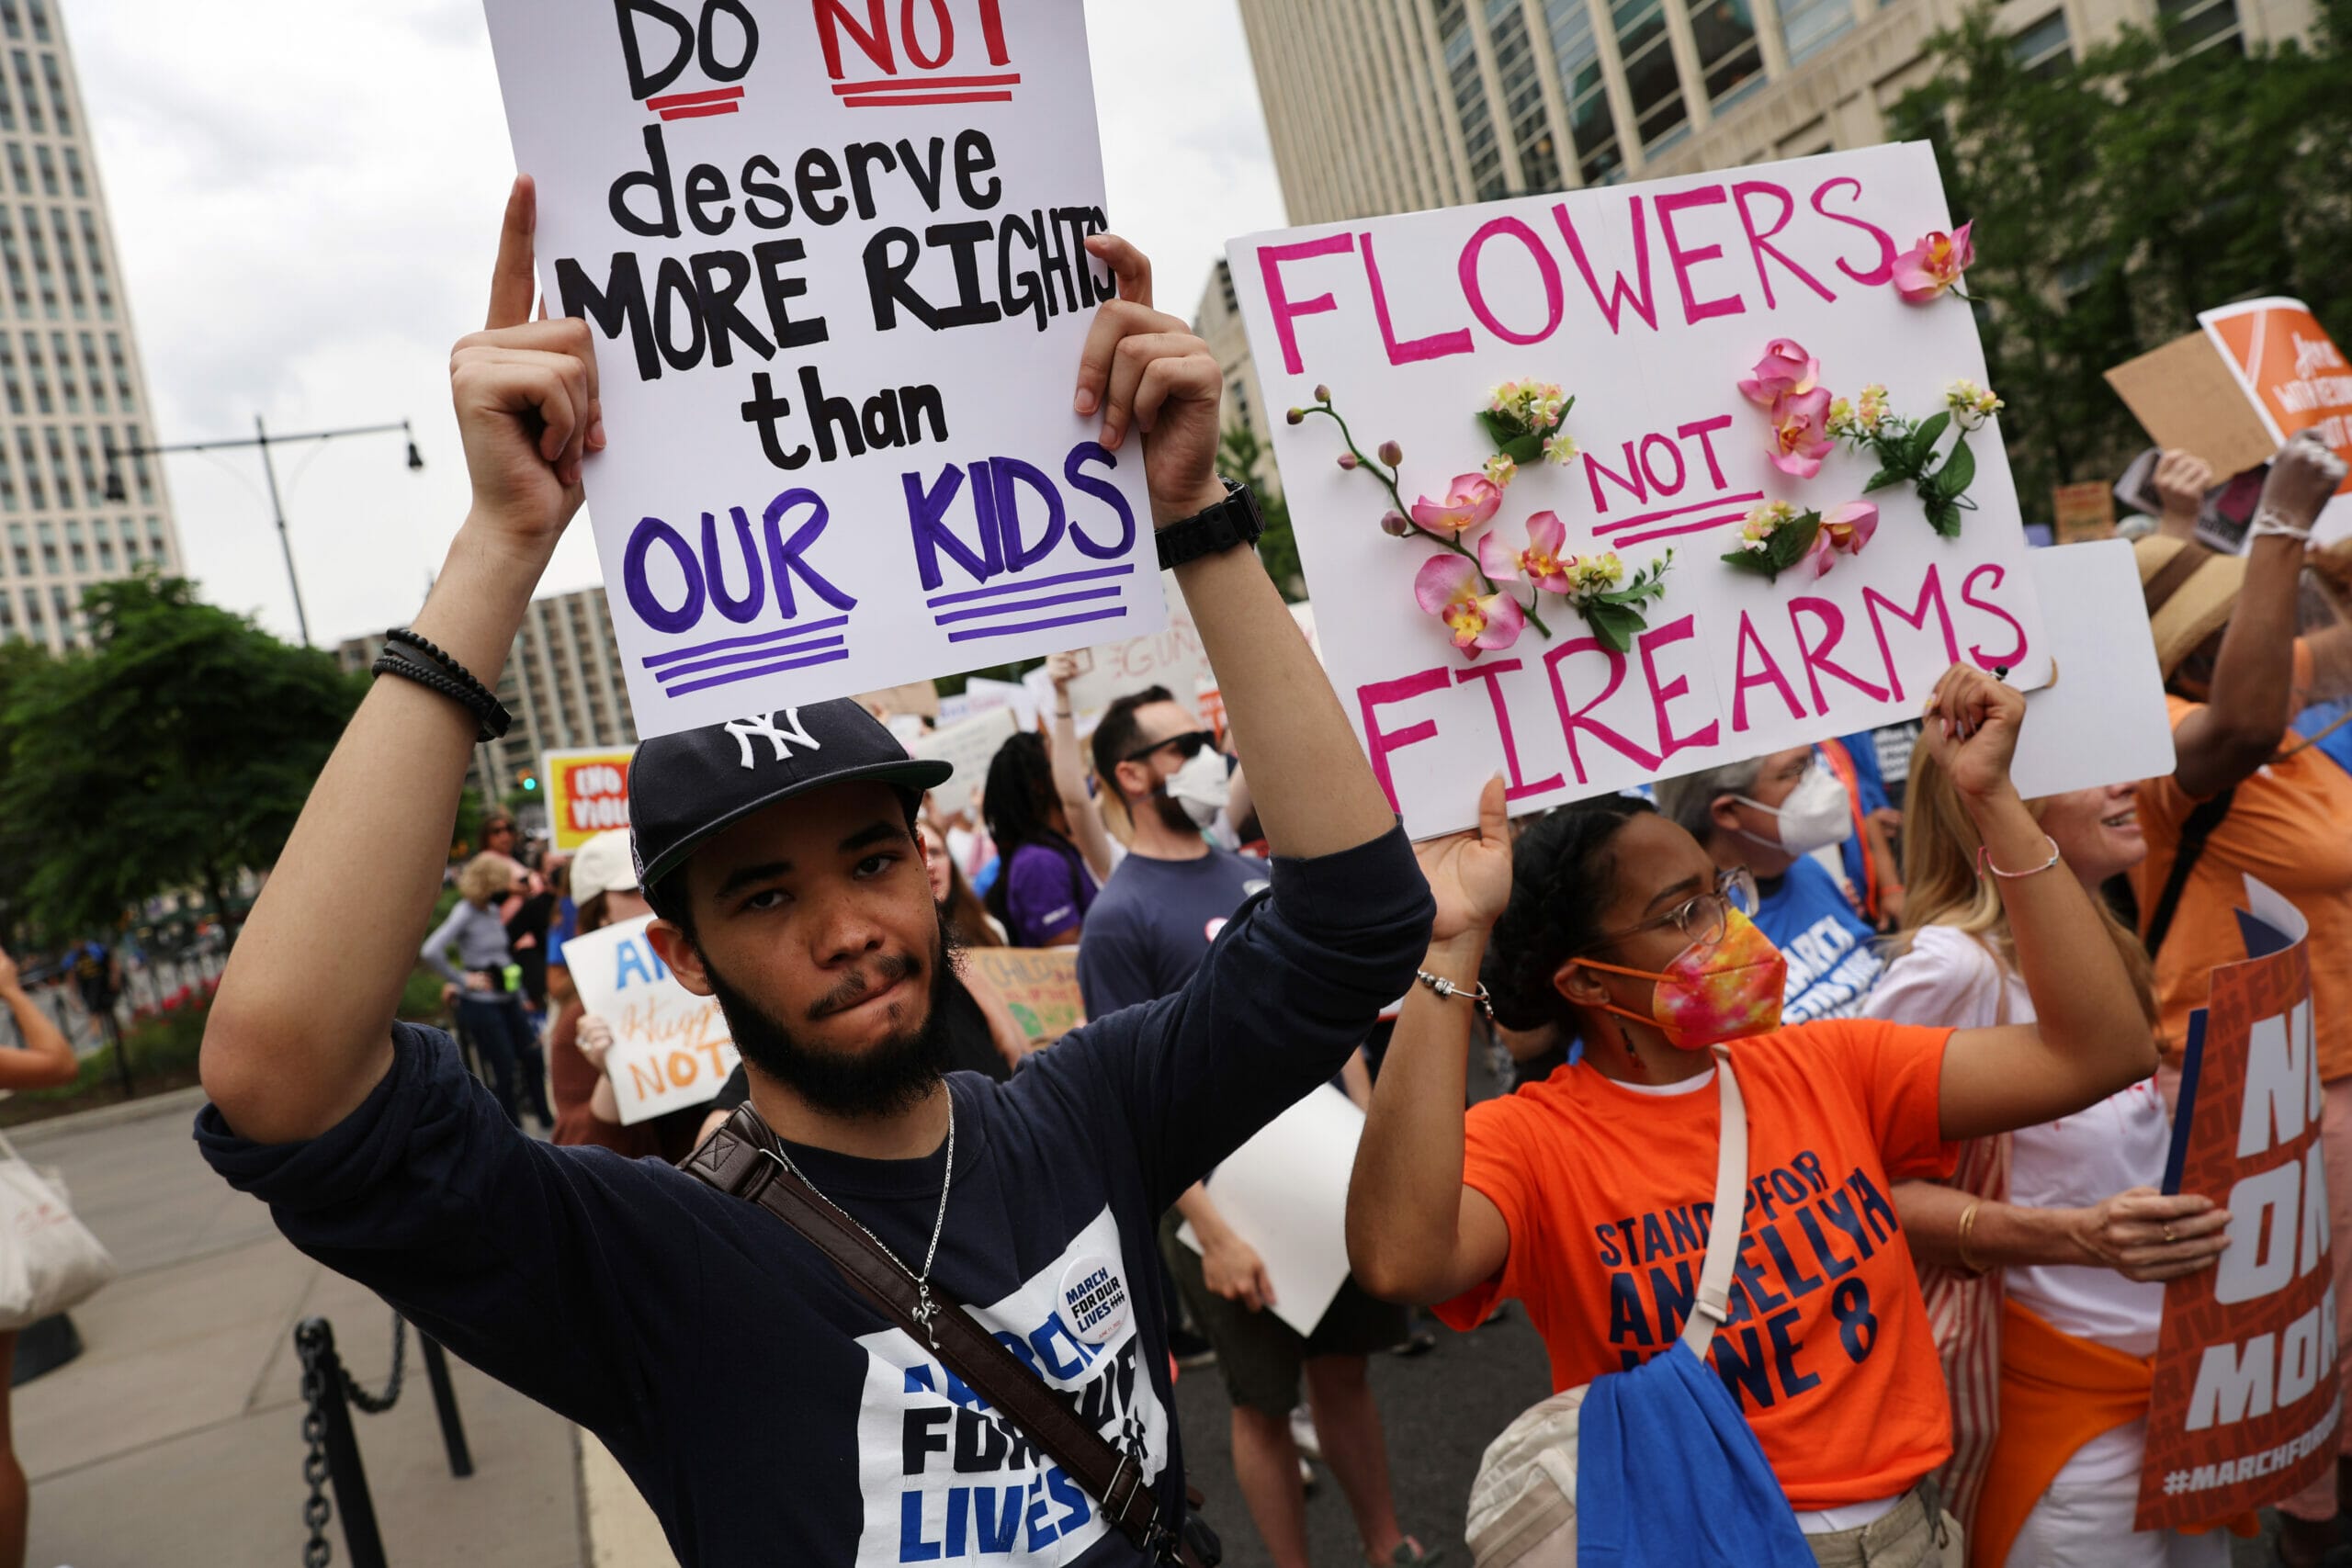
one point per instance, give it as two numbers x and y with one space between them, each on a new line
306 199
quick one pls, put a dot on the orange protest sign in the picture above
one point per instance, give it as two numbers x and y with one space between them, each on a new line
2243 1407
587 792
2290 368
1039 984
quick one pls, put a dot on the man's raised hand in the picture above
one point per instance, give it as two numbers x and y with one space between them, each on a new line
1146 370
526 398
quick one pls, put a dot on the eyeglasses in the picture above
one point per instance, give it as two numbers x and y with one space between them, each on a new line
1189 745
1702 920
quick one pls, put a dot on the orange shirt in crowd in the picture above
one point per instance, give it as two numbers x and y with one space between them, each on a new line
1608 1189
2291 826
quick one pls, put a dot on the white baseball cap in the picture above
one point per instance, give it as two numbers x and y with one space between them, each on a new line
603 865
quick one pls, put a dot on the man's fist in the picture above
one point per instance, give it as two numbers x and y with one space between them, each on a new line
2302 476
1147 370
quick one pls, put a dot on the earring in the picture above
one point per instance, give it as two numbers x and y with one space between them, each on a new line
1631 1059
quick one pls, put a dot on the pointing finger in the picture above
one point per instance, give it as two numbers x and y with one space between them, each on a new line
1129 266
511 281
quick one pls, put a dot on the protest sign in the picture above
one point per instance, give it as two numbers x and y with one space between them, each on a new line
968 747
919 698
1038 984
1650 303
671 1048
2244 1409
2080 513
587 793
2296 378
1170 657
1285 1193
833 258
2102 719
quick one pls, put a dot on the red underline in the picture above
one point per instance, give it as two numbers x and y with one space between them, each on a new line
1677 510
889 84
1678 528
679 100
895 100
697 111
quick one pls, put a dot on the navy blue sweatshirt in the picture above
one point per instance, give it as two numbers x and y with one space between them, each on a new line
765 1410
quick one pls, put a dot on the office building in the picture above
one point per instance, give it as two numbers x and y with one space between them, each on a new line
71 387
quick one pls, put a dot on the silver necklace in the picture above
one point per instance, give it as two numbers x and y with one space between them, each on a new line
925 1308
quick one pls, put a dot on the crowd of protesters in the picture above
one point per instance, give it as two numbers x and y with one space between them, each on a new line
1954 1018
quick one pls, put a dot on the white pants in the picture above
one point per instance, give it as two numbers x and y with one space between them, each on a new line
2085 1519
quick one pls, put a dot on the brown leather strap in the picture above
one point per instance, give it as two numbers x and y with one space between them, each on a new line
738 1159
2174 575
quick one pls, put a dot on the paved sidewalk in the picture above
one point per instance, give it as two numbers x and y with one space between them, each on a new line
177 1436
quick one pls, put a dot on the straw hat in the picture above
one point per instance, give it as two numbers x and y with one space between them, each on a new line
2189 595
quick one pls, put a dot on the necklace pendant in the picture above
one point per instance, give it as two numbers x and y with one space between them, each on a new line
925 1310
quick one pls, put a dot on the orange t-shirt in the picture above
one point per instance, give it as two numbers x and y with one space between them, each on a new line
1607 1191
2291 826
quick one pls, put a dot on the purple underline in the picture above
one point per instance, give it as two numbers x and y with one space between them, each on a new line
723 661
1676 512
1025 604
763 670
1035 626
673 655
1024 587
1700 527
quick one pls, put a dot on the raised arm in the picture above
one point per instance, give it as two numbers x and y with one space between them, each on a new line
1069 758
286 1057
2091 1038
2240 726
1314 790
1415 1233
47 1060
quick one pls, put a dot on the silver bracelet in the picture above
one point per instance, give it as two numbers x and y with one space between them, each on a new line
1447 990
1985 863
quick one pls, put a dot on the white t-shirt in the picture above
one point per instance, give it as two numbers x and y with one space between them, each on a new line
1950 978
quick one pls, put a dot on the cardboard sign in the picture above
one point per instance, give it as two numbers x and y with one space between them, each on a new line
833 258
2184 396
968 747
2244 1407
1648 303
587 793
671 1048
1285 1193
2102 719
2080 513
919 698
1039 984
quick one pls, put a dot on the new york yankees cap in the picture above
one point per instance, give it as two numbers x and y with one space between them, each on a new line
685 788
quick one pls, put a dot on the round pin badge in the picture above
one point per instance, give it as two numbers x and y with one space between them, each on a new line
1094 1300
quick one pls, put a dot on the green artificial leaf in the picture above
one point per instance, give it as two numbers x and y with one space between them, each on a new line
1944 517
1958 473
1614 624
1885 478
1525 451
1752 561
1921 443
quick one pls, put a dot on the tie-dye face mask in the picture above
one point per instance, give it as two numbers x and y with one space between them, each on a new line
1710 993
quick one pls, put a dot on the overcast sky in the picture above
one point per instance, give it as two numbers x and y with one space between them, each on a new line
306 198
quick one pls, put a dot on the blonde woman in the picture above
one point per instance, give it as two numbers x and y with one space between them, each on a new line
489 1014
2043 1260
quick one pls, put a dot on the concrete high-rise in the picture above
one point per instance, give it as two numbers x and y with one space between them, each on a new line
71 385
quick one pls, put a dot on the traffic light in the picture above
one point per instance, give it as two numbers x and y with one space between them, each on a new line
530 781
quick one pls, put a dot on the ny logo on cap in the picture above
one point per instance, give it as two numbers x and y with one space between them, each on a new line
742 729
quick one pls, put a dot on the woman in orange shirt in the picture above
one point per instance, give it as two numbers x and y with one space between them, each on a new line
1587 1196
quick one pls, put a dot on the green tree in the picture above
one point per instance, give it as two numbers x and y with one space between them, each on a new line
176 749
2115 199
1242 457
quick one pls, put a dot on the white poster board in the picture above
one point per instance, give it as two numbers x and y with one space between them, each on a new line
671 1048
1285 1193
2103 719
1648 303
835 268
1171 657
968 747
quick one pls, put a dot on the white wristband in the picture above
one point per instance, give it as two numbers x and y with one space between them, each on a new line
2270 522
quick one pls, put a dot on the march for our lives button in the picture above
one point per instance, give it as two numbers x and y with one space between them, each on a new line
1094 1300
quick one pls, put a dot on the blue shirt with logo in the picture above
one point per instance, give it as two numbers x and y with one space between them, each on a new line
1153 922
1832 962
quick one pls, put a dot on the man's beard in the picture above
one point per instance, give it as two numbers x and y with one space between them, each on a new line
1171 810
881 1080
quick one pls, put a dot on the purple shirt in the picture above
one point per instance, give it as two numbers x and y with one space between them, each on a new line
1047 891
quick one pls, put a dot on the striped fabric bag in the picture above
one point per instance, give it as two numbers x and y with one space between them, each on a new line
1965 1313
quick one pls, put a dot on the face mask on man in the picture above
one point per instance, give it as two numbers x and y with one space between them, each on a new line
1726 990
1201 786
1816 814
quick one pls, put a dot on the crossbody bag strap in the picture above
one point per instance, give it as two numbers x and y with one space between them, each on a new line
738 1160
2196 833
1712 1308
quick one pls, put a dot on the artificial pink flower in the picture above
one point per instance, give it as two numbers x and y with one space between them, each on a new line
1930 268
1474 499
1786 367
1800 434
1541 563
1844 530
1447 587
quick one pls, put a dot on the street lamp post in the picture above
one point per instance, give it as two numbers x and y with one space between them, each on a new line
263 439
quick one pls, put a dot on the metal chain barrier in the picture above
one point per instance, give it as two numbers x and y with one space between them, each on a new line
316 1552
376 1404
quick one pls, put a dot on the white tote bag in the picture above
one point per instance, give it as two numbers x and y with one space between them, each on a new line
48 1259
1523 1503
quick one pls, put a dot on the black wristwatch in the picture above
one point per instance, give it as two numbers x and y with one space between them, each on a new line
1234 521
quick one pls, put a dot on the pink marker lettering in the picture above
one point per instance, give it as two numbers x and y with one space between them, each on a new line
1278 300
1515 786
1760 245
1474 291
1817 657
1886 252
1572 720
1632 482
1705 429
1437 346
1694 310
1985 660
1662 694
1378 743
1770 675
1619 295
1931 595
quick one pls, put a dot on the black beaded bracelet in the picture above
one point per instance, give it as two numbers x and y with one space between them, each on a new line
483 697
490 723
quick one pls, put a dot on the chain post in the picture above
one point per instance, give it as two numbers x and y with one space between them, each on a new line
444 1405
324 1383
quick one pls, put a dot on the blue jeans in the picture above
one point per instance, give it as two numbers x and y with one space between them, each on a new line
501 1031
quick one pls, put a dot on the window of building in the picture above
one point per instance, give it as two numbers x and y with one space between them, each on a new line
19 171
38 11
105 555
1730 60
1650 76
34 489
1478 142
12 18
96 255
2194 26
66 258
75 181
40 373
58 101
1808 26
1520 71
2044 50
93 372
42 273
8 500
82 460
32 611
7 105
15 384
47 164
27 91
58 472
19 291
48 547
146 480
77 547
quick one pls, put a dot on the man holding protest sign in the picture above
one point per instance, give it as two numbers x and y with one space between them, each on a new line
712 1349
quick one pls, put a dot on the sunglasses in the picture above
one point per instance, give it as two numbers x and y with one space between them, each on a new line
1189 745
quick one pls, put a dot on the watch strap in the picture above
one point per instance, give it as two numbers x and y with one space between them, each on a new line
1232 521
